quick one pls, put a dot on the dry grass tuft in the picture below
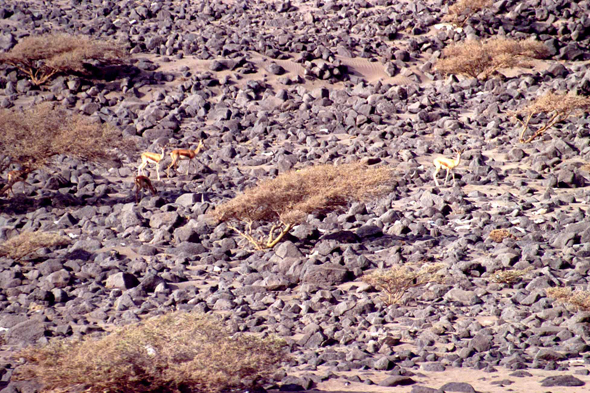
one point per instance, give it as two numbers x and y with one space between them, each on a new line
556 106
32 137
578 299
396 281
27 243
170 353
510 276
498 235
460 12
286 200
480 59
41 57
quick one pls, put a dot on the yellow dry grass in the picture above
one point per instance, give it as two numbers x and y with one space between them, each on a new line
27 243
510 276
555 106
395 282
169 353
498 235
287 200
578 299
460 12
480 59
31 137
41 57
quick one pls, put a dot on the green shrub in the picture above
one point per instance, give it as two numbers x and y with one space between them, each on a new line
41 57
170 353
287 200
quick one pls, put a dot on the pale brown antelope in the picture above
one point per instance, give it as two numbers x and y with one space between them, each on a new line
143 183
151 158
184 154
19 175
447 163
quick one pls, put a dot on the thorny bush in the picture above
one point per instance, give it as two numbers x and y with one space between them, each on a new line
186 352
287 200
43 56
480 59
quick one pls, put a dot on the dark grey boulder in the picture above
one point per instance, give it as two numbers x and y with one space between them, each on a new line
27 332
327 274
562 380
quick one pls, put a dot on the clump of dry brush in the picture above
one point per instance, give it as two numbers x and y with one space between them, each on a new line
27 243
395 282
175 352
43 56
480 59
578 299
32 137
460 12
554 107
287 200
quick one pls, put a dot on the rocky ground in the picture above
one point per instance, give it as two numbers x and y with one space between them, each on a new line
272 86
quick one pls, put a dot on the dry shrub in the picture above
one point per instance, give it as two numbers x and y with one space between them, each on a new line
510 276
395 282
556 107
286 200
578 299
463 10
169 353
32 137
480 59
26 243
41 57
498 235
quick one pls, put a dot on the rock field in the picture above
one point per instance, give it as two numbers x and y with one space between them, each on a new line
271 86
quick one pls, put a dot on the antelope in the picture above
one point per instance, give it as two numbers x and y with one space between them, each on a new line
184 154
447 163
151 158
143 183
19 175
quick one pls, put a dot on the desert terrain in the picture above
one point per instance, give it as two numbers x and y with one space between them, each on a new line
274 86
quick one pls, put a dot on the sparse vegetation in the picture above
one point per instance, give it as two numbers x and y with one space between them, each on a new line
286 200
27 243
498 235
41 57
480 59
460 12
555 107
170 353
510 276
32 137
395 282
578 299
